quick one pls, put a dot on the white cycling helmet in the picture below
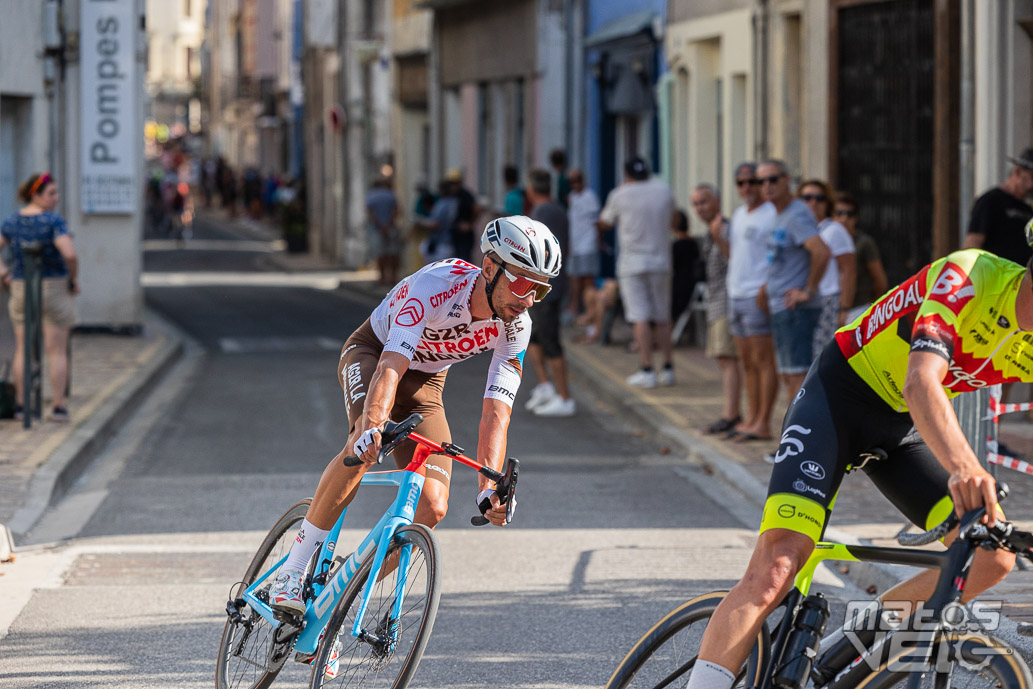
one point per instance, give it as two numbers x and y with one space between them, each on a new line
523 242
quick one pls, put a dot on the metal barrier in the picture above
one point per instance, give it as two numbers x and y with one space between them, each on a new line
32 377
973 410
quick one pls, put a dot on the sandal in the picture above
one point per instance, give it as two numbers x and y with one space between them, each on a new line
722 425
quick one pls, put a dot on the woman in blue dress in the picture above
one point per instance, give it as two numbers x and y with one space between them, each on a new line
37 222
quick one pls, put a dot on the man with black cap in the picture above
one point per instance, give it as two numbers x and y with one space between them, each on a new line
1000 215
641 209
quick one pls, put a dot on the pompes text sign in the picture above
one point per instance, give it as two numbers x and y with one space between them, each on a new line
109 88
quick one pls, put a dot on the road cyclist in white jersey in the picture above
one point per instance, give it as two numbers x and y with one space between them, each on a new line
395 364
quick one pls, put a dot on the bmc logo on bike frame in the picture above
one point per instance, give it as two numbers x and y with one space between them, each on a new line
336 586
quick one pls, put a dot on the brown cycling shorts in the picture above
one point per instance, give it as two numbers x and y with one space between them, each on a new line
418 392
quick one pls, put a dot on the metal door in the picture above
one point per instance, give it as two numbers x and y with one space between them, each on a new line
884 119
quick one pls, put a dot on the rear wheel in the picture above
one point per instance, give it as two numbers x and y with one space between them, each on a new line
247 656
390 648
665 656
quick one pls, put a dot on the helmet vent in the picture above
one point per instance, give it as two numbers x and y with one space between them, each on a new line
534 254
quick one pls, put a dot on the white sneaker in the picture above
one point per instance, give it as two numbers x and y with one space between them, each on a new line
556 406
541 393
665 377
286 592
642 379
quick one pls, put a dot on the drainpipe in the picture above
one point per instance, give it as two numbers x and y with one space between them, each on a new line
760 80
966 135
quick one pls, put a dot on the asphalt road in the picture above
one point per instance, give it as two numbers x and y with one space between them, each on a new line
609 535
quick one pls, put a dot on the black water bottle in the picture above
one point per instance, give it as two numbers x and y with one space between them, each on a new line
802 645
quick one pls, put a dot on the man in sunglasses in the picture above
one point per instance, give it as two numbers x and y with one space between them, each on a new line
395 364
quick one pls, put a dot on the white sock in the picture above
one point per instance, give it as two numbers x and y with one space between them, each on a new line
707 675
310 538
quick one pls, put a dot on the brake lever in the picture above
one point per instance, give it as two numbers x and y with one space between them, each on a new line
505 489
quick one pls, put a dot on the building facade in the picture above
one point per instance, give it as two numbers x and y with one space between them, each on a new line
911 105
75 108
175 31
503 89
623 65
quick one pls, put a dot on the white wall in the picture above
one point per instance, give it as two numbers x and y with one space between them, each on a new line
108 245
1002 88
23 126
699 52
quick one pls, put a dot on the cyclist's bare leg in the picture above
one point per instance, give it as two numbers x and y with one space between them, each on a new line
336 490
732 630
989 568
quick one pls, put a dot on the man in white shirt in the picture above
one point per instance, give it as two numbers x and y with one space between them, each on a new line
749 324
583 261
641 209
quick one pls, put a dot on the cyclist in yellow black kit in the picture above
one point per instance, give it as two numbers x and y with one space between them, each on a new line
961 323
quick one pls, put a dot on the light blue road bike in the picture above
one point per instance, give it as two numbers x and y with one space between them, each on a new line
369 615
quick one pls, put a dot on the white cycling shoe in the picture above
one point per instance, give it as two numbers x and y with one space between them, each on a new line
285 595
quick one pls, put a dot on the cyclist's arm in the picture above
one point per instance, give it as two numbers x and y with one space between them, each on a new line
381 398
491 437
491 449
970 485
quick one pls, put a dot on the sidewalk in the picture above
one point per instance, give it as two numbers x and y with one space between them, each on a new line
677 414
109 375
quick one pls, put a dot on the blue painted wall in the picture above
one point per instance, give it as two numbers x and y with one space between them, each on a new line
599 143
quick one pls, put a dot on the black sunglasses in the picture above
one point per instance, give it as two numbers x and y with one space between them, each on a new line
843 213
813 197
773 179
753 181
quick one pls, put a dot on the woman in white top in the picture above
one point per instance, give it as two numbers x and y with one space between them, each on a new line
836 289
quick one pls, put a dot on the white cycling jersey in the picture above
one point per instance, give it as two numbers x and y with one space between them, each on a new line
426 317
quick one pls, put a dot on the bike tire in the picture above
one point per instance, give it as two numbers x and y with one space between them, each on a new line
1003 667
244 665
664 655
360 664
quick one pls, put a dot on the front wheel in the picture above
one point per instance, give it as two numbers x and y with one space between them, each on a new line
247 657
959 660
665 656
391 647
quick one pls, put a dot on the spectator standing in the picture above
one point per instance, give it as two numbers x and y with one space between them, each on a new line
797 257
706 200
871 275
558 160
836 289
748 322
438 245
641 208
516 200
999 216
686 270
466 212
385 238
545 351
582 263
37 222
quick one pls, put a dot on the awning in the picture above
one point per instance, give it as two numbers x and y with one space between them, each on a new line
625 27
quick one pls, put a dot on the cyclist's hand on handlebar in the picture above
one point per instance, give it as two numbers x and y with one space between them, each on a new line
496 514
367 447
971 489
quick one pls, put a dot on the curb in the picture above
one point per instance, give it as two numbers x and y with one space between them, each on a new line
861 574
57 474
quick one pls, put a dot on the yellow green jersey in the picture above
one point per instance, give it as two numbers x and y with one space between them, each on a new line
961 307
